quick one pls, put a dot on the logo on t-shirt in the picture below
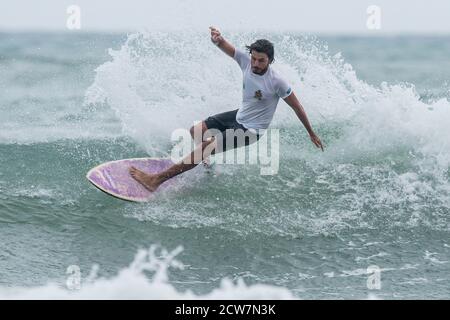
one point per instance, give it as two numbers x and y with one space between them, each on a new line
258 95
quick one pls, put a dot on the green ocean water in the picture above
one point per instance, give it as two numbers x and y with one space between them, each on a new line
378 195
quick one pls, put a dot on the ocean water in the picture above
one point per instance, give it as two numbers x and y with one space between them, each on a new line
378 198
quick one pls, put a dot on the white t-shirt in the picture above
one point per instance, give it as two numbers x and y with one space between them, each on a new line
260 94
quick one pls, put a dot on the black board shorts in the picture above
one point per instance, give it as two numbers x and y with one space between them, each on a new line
228 126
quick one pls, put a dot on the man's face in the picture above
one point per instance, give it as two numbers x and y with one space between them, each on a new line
259 62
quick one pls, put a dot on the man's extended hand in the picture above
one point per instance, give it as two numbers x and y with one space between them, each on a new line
315 139
216 37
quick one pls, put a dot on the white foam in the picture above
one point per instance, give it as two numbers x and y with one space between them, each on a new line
133 283
431 256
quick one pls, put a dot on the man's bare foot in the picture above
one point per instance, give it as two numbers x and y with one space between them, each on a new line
207 163
149 181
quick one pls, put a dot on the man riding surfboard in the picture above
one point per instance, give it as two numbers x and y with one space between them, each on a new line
262 89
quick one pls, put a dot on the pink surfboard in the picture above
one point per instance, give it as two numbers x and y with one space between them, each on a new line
114 178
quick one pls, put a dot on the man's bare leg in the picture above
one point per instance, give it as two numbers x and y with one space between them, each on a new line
197 133
152 181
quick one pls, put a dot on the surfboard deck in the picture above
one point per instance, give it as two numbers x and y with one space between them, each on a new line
114 179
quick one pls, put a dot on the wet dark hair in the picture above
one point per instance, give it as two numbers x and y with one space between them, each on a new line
263 46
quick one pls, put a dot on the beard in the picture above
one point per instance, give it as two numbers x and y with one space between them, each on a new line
259 71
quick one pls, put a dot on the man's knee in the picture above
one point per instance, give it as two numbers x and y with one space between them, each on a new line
198 129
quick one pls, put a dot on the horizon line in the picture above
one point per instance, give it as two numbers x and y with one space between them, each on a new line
366 33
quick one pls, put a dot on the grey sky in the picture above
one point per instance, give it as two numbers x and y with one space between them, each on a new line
329 16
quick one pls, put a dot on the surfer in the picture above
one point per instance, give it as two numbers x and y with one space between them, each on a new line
262 89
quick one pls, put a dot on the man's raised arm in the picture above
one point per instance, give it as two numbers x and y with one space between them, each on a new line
223 44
